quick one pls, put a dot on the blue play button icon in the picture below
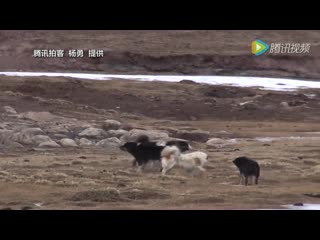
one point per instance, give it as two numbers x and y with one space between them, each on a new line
259 47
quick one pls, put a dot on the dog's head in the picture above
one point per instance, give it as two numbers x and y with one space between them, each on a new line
239 161
143 139
128 146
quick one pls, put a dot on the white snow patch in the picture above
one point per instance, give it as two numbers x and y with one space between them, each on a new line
277 84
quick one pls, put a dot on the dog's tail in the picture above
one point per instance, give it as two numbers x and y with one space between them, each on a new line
170 150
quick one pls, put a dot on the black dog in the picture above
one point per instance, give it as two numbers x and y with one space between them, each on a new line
248 168
143 152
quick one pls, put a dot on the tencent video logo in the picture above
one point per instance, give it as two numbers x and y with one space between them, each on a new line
259 47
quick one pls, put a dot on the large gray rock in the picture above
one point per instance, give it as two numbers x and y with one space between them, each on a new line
10 145
50 144
215 141
40 139
127 126
25 136
56 129
116 133
67 142
196 135
85 142
285 105
93 133
111 125
109 143
13 145
153 135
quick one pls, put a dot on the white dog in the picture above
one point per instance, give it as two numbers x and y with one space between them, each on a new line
171 156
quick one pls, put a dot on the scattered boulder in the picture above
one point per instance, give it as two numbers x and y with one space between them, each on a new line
153 135
250 106
40 116
215 141
126 126
67 142
9 110
85 142
11 145
50 144
296 103
56 129
112 142
284 104
25 136
111 125
117 133
93 133
170 130
39 139
197 135
60 136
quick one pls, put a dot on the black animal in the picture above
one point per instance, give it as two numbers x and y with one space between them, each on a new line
144 150
248 168
143 139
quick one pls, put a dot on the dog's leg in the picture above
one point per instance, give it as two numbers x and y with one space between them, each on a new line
202 169
241 179
166 168
163 171
251 180
152 164
139 169
256 180
246 181
140 166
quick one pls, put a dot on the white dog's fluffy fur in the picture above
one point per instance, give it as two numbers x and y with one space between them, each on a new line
171 156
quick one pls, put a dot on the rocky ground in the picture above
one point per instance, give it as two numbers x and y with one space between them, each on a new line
59 144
